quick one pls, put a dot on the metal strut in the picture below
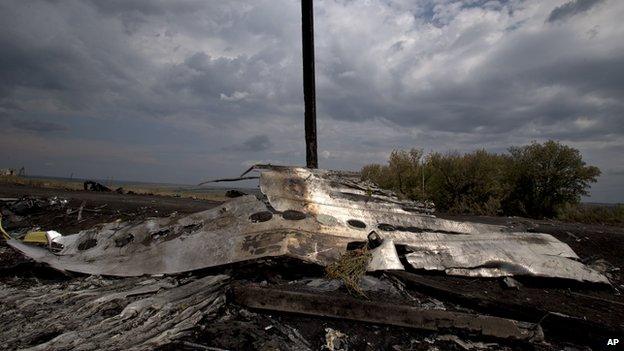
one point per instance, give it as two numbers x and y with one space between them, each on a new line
309 86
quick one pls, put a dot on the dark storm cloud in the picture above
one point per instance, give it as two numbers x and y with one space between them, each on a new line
170 80
135 13
72 64
145 7
616 172
539 77
571 8
255 143
39 126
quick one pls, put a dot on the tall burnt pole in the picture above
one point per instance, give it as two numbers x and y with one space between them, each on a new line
309 85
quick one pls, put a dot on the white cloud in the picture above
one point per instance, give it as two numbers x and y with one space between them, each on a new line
236 96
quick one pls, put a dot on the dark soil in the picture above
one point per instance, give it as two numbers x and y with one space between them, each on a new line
108 207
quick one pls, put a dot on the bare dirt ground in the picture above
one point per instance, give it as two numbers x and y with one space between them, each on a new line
595 312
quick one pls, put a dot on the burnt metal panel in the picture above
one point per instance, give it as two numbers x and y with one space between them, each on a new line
311 215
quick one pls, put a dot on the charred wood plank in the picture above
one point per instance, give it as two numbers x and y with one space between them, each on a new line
344 307
556 326
97 313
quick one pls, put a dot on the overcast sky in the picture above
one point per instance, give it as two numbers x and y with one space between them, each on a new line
181 91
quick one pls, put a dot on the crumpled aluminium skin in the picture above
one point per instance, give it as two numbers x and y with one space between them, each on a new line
311 215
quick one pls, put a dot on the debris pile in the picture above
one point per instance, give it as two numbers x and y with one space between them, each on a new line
105 314
316 244
29 205
311 215
90 185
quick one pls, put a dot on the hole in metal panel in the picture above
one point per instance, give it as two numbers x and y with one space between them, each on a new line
260 216
326 219
356 224
190 228
386 227
87 244
56 247
124 240
355 245
293 215
161 234
413 229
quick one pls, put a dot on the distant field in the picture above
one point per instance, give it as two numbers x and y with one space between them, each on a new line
594 213
175 190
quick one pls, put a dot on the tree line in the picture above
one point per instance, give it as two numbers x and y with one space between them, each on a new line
534 180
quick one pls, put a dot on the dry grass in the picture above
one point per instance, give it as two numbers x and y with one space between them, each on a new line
220 196
42 183
350 268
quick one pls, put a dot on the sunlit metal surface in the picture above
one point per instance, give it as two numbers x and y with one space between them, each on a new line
385 258
311 215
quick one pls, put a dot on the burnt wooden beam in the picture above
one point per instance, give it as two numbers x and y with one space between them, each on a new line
556 326
309 85
344 307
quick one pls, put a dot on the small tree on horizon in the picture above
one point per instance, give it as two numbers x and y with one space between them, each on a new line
546 177
532 180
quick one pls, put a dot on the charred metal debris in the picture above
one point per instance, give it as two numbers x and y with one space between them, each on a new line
374 245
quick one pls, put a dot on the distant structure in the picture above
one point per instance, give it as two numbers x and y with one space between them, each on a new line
13 172
7 172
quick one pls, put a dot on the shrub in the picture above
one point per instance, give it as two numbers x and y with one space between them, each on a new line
533 180
592 213
468 183
547 176
403 174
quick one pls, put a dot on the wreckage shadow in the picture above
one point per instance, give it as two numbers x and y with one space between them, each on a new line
31 269
271 270
556 326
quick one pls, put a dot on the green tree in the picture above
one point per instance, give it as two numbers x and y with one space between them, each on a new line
547 176
468 183
402 174
532 180
377 174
